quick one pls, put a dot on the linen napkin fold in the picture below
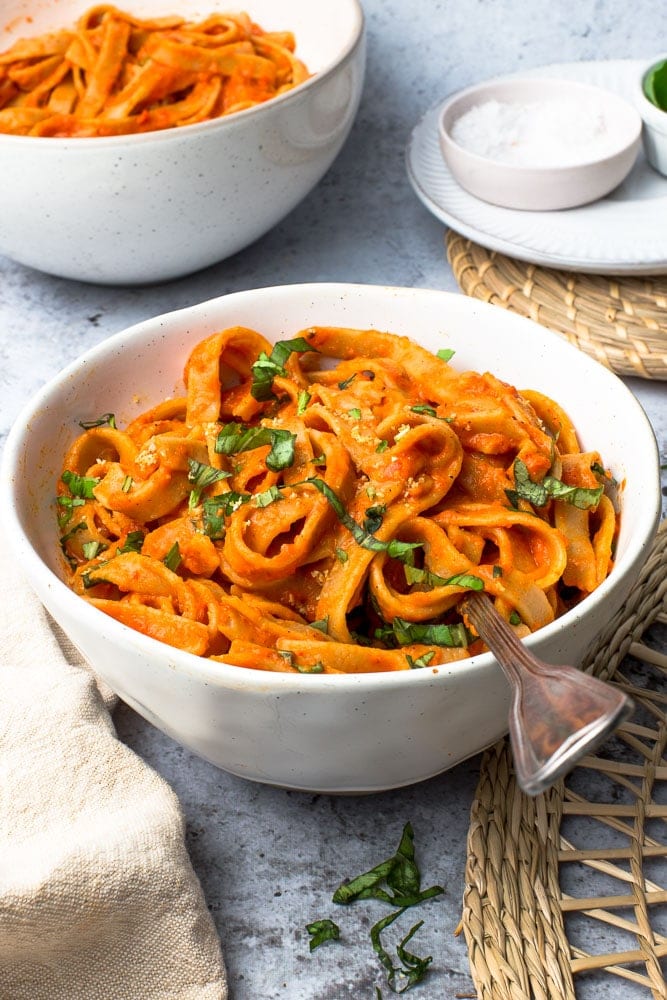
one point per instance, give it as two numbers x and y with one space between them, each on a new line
98 899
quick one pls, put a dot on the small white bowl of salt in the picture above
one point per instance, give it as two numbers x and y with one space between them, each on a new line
539 143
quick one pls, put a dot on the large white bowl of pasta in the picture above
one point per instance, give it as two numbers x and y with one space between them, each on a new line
266 560
142 142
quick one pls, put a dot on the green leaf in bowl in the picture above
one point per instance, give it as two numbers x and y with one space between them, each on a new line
655 85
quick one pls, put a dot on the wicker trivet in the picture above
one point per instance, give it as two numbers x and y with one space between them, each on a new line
621 321
568 890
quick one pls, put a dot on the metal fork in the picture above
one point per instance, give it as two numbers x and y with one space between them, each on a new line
558 713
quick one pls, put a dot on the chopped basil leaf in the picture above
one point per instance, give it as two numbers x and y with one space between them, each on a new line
321 931
655 85
281 455
341 555
230 501
91 549
215 509
467 580
400 873
319 459
314 668
202 475
396 549
81 526
538 494
413 969
446 353
235 437
88 580
383 445
67 505
302 402
106 418
133 542
213 519
366 372
355 413
172 560
515 619
267 497
421 661
396 881
127 484
374 517
497 571
406 633
286 655
267 366
80 486
429 411
322 625
602 473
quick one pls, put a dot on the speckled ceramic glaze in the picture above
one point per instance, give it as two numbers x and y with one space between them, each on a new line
155 206
318 732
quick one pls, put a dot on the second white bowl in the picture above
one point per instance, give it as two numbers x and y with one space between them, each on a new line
574 176
132 209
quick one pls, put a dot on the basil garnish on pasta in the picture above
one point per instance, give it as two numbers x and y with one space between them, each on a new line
201 476
342 506
80 486
106 420
172 560
133 542
394 548
265 369
539 493
405 633
235 437
413 574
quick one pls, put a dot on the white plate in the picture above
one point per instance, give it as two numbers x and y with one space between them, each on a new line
623 233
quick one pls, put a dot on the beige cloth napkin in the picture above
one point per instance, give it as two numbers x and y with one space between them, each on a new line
98 899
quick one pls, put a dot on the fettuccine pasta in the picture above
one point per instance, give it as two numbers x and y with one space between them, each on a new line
323 505
114 74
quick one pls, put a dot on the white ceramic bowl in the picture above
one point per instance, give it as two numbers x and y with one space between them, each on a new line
575 177
158 205
654 130
331 733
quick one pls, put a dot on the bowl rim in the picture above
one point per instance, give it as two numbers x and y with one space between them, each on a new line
519 83
220 673
357 36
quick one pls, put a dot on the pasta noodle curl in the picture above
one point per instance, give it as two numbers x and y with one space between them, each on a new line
115 74
323 505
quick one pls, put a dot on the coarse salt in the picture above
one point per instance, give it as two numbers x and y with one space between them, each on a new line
535 134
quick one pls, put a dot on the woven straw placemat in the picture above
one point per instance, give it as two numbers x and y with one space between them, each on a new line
621 321
565 894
